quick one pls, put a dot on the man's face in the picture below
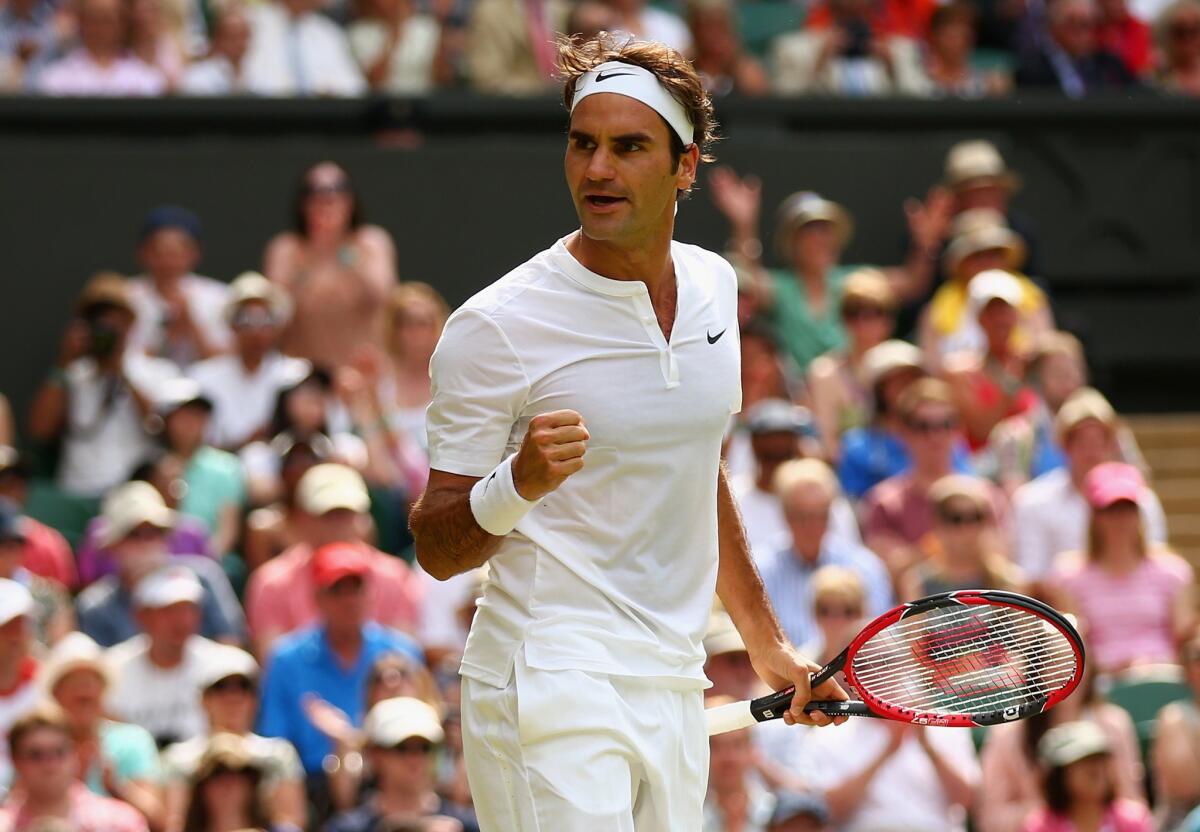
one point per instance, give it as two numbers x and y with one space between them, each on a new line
806 510
338 526
169 252
140 549
773 449
343 605
619 169
44 763
983 193
998 320
1060 376
1073 26
101 25
186 427
1088 445
816 245
171 626
231 703
732 675
930 431
81 695
730 757
232 36
255 327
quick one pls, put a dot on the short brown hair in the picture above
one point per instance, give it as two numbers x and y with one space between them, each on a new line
46 715
675 72
924 391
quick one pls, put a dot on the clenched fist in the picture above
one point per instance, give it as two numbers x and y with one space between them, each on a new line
551 451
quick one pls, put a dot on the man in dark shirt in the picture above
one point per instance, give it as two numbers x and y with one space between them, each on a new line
1070 57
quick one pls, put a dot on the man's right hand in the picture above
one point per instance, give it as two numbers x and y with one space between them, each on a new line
552 450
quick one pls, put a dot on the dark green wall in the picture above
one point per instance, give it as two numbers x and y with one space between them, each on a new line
470 188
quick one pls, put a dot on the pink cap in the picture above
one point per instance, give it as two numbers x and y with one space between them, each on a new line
1111 482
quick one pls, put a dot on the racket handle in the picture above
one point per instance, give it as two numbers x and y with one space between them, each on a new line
839 707
731 717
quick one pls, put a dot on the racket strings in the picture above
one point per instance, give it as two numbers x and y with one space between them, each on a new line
965 659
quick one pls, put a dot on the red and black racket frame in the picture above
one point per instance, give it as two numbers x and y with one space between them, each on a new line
774 705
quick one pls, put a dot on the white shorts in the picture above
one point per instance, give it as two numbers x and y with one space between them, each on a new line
571 751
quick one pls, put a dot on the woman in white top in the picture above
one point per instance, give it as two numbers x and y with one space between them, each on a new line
416 315
396 46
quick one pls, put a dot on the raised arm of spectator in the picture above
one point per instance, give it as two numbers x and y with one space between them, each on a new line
48 411
928 225
739 199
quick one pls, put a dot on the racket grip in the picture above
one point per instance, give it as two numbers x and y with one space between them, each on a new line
731 717
838 707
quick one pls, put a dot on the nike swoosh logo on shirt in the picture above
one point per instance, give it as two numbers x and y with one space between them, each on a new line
604 76
489 481
712 339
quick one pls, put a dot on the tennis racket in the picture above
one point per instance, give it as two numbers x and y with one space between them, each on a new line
956 659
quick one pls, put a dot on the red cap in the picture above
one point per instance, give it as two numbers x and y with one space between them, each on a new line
335 561
1111 482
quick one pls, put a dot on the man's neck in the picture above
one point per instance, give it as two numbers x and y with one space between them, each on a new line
649 261
808 558
103 57
251 361
406 797
926 472
812 276
57 805
345 643
167 281
165 656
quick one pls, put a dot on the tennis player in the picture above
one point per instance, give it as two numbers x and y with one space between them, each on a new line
574 435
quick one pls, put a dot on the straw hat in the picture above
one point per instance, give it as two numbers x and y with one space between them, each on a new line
977 163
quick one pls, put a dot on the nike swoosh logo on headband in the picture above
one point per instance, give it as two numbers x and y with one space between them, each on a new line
604 76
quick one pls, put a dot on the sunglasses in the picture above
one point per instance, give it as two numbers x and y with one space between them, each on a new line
146 533
412 747
239 684
838 612
931 426
864 313
43 754
962 518
254 319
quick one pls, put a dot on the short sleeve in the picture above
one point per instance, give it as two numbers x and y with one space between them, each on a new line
134 752
479 388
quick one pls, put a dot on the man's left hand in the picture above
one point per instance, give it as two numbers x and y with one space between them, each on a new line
781 666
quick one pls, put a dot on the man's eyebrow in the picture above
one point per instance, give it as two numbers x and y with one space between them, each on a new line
625 138
580 135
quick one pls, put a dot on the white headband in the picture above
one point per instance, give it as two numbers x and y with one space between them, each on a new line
639 84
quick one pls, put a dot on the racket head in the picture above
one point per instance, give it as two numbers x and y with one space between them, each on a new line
966 658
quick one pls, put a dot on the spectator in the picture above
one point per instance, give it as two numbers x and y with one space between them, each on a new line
898 512
228 685
737 800
331 659
510 45
52 615
333 502
295 50
45 552
19 692
1024 446
638 20
588 18
1071 58
1135 601
778 432
396 45
271 529
908 18
402 735
807 489
799 812
1079 787
187 536
1121 33
100 64
1011 787
243 385
965 550
214 484
134 527
225 789
841 398
981 243
180 314
727 664
1178 36
98 394
880 775
1175 754
223 72
1050 514
116 759
839 604
872 453
720 56
152 42
989 385
30 33
848 57
948 57
157 674
417 315
50 790
337 269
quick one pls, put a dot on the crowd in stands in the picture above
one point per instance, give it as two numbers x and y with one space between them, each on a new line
924 48
210 619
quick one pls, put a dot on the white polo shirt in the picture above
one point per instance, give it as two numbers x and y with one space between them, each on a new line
614 571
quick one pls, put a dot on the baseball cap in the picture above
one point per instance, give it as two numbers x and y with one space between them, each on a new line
170 216
167 585
888 357
330 486
224 662
1084 405
796 804
74 651
1112 482
128 507
990 285
392 721
179 392
779 416
722 637
11 523
1072 742
335 561
15 600
250 286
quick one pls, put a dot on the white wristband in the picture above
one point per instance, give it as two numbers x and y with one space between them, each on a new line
495 502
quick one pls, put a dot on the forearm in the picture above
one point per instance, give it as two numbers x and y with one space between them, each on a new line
448 538
845 797
959 790
48 411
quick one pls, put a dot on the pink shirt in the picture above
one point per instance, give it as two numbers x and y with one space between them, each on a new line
89 813
78 74
48 554
898 508
1122 816
280 596
1128 616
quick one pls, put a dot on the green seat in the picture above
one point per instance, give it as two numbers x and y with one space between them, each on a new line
761 21
1143 692
67 514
